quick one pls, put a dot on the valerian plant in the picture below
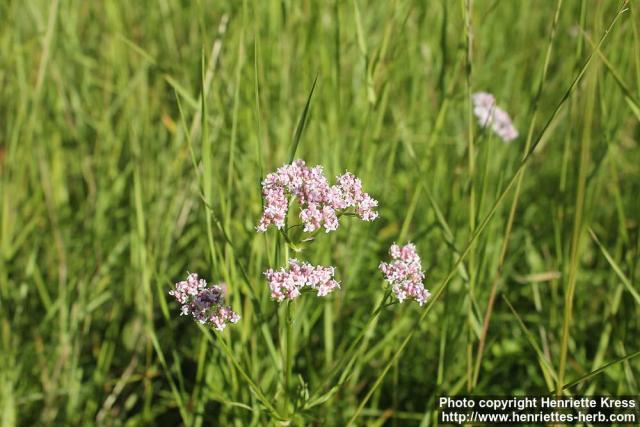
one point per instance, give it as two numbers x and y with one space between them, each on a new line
321 205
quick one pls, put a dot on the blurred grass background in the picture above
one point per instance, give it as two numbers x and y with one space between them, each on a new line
101 209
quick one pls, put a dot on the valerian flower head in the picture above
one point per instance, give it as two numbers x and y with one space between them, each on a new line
489 114
320 203
288 283
203 303
404 273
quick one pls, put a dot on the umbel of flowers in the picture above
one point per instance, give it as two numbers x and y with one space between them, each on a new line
490 115
404 273
204 303
320 203
288 283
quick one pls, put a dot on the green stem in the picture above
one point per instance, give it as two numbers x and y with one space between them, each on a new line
472 186
288 344
289 352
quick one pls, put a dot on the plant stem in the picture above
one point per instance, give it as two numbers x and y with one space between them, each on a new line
289 352
468 4
288 348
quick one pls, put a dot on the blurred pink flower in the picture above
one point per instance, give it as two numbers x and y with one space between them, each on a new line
318 200
287 284
203 303
489 114
404 274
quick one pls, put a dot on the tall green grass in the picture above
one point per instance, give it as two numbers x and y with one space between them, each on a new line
134 137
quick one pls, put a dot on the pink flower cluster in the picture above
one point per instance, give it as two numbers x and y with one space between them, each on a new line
287 284
204 303
489 114
319 201
405 274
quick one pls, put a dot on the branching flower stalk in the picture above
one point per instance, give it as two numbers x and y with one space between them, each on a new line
321 207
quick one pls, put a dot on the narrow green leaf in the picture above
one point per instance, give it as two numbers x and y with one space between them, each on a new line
616 268
626 92
301 123
599 370
544 363
362 43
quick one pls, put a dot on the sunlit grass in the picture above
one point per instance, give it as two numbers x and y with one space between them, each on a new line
134 138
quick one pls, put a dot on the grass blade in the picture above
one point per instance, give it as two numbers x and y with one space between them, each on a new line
616 268
301 123
599 370
544 363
